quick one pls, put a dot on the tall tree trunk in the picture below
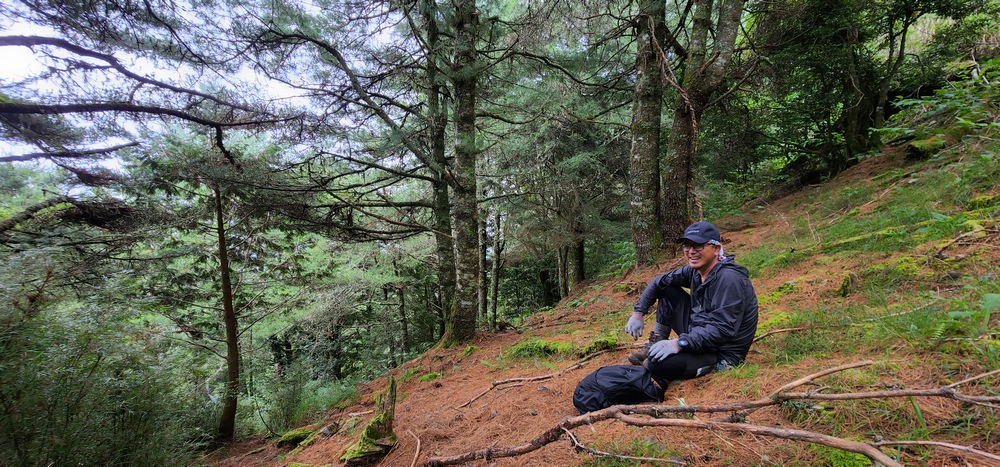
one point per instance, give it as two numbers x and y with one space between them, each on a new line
482 285
579 254
462 323
405 337
498 246
645 156
437 116
227 425
563 270
704 73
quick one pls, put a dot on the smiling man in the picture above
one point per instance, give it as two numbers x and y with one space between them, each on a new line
714 323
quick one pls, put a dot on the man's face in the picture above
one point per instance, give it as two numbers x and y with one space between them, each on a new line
701 255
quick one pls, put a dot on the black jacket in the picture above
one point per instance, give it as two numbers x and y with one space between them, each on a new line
723 308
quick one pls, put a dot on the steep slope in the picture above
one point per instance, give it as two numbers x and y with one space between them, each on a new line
831 297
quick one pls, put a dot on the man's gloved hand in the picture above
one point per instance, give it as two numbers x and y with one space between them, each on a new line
663 349
635 325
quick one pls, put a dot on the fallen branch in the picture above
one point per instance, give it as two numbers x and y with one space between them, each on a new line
626 414
535 378
956 447
594 452
797 435
956 239
416 454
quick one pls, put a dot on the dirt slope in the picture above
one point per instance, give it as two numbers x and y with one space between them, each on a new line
447 418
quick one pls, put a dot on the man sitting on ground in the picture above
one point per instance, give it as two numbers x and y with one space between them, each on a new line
715 322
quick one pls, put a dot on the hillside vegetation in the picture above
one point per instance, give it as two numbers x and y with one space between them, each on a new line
891 266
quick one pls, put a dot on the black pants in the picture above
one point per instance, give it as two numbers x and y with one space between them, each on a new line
673 312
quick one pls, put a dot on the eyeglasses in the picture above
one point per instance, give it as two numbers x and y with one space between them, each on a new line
694 247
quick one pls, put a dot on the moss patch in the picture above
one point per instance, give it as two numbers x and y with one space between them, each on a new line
780 291
599 344
429 376
378 437
296 436
535 347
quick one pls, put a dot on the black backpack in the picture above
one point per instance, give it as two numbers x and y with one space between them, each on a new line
616 384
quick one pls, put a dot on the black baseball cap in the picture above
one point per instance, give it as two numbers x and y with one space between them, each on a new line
701 232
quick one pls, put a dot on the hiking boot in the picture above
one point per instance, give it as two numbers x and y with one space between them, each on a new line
636 358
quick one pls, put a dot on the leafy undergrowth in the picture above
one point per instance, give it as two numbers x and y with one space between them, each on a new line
892 261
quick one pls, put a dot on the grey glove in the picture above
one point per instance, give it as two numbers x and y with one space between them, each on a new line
635 325
663 349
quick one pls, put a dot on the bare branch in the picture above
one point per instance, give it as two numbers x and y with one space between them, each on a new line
66 154
28 41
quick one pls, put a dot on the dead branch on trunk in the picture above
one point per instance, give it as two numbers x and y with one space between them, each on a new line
627 414
536 378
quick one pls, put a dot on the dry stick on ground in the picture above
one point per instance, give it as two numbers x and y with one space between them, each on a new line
798 435
775 331
415 455
956 447
621 412
941 250
594 452
536 378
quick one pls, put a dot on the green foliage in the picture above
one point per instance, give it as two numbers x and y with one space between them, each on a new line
832 457
409 374
84 385
965 319
959 108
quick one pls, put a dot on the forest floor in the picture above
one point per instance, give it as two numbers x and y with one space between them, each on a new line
462 410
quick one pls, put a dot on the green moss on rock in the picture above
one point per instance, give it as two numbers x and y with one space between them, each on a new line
296 436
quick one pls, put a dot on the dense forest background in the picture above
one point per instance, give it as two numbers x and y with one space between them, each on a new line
218 217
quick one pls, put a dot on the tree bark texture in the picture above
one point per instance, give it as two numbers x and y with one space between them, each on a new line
644 202
704 73
562 263
482 286
462 323
227 425
498 246
579 259
437 120
404 344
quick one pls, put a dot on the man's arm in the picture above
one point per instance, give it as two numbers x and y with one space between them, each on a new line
678 277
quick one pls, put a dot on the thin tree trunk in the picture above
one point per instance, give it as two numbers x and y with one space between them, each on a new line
482 285
579 255
227 425
405 337
498 246
563 275
462 323
644 161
